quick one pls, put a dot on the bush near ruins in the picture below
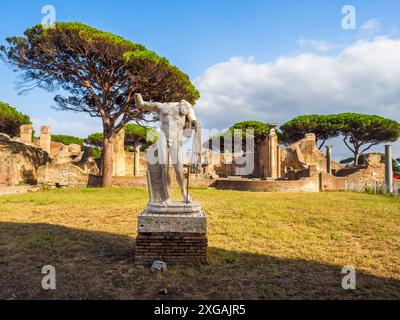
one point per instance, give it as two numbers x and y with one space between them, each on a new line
362 160
261 131
135 135
98 73
360 132
67 140
11 120
325 127
94 140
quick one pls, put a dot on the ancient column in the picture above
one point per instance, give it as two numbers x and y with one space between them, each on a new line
45 139
273 153
329 159
137 162
388 169
119 155
25 134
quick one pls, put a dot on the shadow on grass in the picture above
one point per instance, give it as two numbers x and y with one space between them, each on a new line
96 265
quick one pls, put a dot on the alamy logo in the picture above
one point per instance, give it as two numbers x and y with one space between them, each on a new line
349 280
349 21
49 281
49 20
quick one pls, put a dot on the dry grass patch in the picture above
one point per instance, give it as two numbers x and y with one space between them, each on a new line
262 246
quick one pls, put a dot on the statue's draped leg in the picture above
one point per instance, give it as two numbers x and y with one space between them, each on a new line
176 153
150 186
155 180
166 181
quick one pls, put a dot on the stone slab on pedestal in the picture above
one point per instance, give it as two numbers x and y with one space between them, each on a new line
175 238
181 222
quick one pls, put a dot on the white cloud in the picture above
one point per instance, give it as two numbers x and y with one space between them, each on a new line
372 25
82 128
363 77
369 29
318 45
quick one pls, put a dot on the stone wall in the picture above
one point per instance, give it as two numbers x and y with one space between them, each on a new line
119 155
63 175
332 183
373 171
302 154
141 182
19 162
310 184
135 164
43 161
224 164
6 176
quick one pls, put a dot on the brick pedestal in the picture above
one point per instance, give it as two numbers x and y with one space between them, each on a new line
172 238
172 248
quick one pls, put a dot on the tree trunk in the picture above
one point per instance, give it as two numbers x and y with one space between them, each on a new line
107 160
356 158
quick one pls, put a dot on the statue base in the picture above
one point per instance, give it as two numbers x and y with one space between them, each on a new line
176 234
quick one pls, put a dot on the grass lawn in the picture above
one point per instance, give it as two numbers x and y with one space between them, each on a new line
262 246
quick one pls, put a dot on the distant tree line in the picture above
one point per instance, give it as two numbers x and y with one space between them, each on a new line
67 140
360 132
11 120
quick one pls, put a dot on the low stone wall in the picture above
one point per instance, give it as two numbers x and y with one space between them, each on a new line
63 175
141 182
310 184
364 175
129 182
304 185
332 183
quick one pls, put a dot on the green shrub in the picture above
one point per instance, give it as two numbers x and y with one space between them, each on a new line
67 140
11 120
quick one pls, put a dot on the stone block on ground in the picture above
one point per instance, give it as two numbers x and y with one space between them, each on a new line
158 266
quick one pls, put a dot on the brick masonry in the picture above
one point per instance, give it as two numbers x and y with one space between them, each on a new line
172 248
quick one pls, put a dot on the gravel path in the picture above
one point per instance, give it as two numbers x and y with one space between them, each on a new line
17 190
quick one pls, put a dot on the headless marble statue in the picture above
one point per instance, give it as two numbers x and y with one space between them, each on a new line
177 120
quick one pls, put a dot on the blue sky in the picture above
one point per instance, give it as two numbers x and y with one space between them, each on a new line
195 34
202 37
